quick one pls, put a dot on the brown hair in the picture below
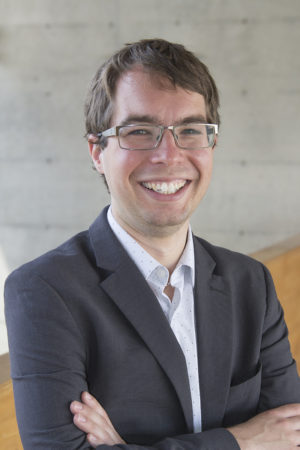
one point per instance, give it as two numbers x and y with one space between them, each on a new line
172 61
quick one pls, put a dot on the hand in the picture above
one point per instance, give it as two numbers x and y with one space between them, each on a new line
276 429
90 417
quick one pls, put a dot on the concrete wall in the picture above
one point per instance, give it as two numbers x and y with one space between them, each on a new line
49 50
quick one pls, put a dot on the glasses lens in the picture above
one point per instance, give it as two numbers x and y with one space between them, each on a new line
139 137
195 135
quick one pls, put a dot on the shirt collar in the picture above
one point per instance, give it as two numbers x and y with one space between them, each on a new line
144 261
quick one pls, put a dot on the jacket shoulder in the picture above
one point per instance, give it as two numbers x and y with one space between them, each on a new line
233 265
222 254
67 257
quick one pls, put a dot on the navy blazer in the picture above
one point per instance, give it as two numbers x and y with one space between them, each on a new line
82 317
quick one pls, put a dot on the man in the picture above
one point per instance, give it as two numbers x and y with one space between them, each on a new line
152 337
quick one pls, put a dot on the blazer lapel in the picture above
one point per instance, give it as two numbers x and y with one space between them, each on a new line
126 286
213 315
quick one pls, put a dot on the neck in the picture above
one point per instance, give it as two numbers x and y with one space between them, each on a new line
165 248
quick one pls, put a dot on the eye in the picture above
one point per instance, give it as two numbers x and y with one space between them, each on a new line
139 132
136 131
190 130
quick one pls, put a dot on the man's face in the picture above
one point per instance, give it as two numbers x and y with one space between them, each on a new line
135 177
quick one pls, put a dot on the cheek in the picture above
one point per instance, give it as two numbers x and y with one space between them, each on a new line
127 163
204 164
119 166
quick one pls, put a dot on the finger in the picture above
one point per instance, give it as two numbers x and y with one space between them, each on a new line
93 440
290 423
290 410
75 407
92 419
99 432
86 424
88 414
92 402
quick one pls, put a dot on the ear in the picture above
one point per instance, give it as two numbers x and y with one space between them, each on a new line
95 152
216 142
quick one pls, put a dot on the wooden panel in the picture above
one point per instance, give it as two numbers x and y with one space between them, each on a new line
9 434
4 368
286 273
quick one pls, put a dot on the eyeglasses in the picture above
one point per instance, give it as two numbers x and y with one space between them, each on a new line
190 136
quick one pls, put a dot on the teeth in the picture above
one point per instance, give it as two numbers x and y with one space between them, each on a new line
165 188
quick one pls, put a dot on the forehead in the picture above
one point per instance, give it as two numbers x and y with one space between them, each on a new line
139 93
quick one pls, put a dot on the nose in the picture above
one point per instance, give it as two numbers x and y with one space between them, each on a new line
167 151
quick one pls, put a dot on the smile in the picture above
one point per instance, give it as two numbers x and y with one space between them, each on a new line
164 187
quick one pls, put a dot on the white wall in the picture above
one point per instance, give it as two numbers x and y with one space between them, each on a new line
49 50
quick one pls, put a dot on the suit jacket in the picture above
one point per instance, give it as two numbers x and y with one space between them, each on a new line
82 317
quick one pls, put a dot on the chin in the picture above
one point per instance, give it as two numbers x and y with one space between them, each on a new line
163 223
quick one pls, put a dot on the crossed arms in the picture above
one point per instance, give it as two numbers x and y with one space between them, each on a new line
278 428
61 346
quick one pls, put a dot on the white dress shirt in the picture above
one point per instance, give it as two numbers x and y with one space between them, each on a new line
180 311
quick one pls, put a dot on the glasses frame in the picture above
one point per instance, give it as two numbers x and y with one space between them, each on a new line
115 132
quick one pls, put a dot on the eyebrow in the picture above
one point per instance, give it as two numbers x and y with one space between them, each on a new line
145 118
135 118
191 119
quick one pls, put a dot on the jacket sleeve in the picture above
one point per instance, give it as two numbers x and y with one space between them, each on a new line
47 363
280 381
215 439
